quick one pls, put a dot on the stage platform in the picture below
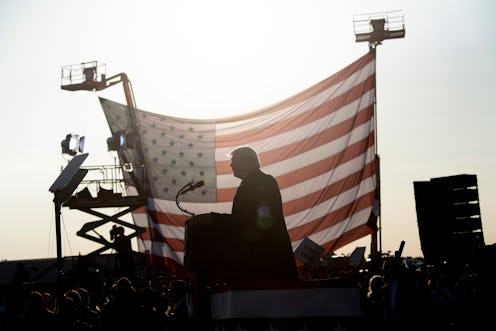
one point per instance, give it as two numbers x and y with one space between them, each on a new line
298 305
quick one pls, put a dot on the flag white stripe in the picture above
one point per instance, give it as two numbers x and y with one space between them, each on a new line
291 193
302 132
328 206
306 158
292 221
141 219
303 106
335 231
320 182
170 207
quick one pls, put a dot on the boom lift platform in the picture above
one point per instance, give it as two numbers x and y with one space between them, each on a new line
91 76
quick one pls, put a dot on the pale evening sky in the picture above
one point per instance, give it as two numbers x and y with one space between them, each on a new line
204 59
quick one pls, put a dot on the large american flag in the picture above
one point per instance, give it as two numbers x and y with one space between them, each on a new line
319 144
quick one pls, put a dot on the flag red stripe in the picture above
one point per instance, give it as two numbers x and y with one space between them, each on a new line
330 134
165 263
176 244
309 116
313 90
332 218
331 191
324 165
296 233
140 210
296 148
304 173
347 237
168 218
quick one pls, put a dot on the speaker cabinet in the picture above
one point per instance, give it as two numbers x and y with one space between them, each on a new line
449 220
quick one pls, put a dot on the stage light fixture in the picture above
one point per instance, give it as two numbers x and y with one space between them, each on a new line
117 142
72 144
120 140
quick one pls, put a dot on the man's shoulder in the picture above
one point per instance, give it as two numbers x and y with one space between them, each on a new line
259 175
259 180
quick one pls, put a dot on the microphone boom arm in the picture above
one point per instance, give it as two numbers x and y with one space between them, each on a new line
186 188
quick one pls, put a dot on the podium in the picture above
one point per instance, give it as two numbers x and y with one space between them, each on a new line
210 247
210 257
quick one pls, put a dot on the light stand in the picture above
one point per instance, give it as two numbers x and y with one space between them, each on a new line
62 188
374 29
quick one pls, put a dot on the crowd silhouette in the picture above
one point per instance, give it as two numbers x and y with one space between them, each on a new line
396 297
125 305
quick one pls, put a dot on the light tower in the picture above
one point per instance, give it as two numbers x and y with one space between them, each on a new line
374 29
91 76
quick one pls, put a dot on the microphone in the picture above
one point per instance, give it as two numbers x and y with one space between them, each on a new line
192 187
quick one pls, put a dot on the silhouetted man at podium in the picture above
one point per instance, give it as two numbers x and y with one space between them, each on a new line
256 244
264 246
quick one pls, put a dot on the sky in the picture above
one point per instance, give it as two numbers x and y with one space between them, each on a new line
210 59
